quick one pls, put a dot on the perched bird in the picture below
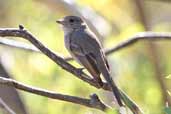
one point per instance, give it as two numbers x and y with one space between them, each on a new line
86 49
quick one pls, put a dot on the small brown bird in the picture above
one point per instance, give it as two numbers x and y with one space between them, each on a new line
86 49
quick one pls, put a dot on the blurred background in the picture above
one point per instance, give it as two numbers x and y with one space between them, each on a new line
140 70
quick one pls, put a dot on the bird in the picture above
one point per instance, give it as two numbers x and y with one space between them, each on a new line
86 49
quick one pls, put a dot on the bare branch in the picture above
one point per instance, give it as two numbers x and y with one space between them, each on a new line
63 64
6 107
94 102
140 36
18 45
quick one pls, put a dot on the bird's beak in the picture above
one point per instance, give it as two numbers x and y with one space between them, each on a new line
60 21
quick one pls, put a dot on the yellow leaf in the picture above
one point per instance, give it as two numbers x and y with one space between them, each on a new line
169 92
168 77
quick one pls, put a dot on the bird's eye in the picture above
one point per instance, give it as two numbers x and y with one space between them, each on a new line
71 20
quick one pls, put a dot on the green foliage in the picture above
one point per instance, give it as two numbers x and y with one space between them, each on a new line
167 110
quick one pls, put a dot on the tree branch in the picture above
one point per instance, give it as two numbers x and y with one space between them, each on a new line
140 36
18 45
63 64
93 102
6 107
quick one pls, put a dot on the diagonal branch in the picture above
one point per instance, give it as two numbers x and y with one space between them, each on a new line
93 102
63 64
6 107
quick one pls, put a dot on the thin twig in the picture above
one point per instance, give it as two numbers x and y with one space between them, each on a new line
6 107
140 36
18 45
93 102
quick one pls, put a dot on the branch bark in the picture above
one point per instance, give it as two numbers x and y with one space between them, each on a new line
93 102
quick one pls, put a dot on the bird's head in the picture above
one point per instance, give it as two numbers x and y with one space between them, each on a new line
71 22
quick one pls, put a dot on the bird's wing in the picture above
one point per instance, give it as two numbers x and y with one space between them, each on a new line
85 41
88 44
81 50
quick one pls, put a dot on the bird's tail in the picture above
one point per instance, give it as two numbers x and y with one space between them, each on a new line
105 72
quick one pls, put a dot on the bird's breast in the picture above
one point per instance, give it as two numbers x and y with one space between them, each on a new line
67 41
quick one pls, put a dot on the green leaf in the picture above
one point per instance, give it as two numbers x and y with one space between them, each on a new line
167 110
